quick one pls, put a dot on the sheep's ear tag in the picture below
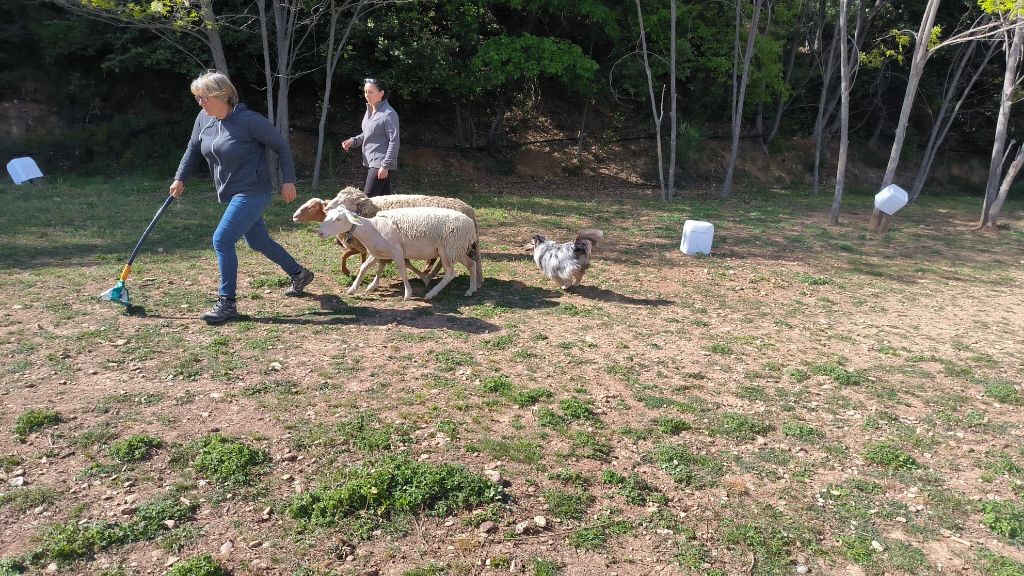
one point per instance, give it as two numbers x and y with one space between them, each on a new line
351 217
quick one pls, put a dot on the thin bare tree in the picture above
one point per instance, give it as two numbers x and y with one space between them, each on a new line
657 112
998 185
845 72
335 45
739 89
673 118
956 88
880 221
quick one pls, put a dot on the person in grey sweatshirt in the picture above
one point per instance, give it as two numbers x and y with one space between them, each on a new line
379 139
234 141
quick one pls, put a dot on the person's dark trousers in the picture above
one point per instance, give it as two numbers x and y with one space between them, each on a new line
375 186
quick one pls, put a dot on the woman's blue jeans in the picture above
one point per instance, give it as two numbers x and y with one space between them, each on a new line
243 218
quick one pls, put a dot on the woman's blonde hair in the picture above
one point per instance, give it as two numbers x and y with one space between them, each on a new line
216 85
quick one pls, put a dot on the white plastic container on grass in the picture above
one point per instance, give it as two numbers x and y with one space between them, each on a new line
891 199
697 237
23 170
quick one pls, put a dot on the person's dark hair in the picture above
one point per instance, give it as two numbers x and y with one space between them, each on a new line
379 84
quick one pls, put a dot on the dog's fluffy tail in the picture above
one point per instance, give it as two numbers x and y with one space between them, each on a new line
586 241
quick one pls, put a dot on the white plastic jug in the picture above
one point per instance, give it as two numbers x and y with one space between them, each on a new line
891 199
697 236
23 170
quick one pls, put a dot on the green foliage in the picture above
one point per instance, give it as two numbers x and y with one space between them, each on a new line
228 461
568 505
72 541
686 468
740 426
504 386
889 455
1005 518
12 567
544 567
33 420
507 59
839 374
596 535
513 450
802 431
134 448
203 565
635 489
672 425
392 486
1003 391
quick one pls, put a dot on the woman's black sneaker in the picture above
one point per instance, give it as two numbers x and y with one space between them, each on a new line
300 280
222 311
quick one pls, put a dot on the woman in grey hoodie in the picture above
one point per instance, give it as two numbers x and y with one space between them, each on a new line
379 139
234 141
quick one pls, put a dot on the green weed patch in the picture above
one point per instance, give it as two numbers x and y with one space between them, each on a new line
227 461
390 487
134 448
34 420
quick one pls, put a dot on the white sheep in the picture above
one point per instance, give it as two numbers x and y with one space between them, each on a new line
354 200
417 233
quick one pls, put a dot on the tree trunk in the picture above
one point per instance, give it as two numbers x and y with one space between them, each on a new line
654 106
333 56
989 216
582 132
1004 188
670 193
783 101
821 120
212 30
844 114
268 75
880 222
737 105
945 118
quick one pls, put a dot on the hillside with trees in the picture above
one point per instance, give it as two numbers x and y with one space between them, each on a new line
90 85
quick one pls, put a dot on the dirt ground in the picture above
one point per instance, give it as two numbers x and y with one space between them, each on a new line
926 321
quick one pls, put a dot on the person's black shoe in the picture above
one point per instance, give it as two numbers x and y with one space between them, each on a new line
299 281
222 311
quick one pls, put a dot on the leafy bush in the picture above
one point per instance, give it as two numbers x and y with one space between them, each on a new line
134 448
33 420
227 461
1005 518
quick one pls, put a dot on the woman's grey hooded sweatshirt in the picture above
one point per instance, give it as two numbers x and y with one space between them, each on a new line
235 149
